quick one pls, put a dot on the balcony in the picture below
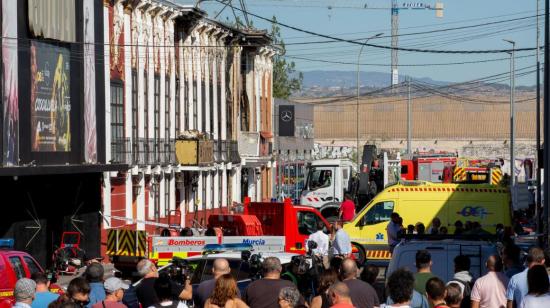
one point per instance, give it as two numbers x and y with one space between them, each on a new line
249 143
194 152
143 151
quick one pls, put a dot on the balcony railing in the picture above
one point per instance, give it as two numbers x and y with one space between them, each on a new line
143 151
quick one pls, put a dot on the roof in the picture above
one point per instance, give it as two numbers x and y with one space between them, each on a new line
457 186
331 162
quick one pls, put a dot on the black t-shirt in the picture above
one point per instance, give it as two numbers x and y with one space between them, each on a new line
264 293
362 293
147 296
204 291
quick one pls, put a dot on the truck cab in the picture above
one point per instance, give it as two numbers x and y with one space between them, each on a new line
327 181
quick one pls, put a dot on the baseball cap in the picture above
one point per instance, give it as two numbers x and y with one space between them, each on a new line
24 289
112 284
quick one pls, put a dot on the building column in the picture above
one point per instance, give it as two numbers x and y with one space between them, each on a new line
129 197
223 128
207 99
106 192
214 99
224 202
140 199
200 190
198 107
259 183
107 85
172 205
236 185
182 204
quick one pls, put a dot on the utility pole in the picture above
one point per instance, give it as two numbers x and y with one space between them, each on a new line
357 105
409 117
546 120
538 208
512 114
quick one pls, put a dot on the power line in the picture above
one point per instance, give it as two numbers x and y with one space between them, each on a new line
383 46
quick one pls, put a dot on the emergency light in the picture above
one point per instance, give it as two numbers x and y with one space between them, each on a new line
6 243
227 247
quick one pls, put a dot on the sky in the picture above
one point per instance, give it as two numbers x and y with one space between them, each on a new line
350 20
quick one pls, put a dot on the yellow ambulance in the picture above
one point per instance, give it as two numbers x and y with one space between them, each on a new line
419 201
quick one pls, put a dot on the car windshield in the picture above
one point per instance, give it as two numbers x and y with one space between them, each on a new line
319 178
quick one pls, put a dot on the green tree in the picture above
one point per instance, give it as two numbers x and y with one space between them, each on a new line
285 78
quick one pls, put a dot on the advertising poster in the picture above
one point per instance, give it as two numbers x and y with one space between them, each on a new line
286 120
50 98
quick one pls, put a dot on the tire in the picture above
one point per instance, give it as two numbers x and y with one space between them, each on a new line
360 255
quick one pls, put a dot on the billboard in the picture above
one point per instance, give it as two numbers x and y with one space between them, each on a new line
286 120
50 112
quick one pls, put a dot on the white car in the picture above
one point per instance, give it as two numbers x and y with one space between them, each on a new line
443 253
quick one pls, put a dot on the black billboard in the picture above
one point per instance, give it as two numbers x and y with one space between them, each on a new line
286 120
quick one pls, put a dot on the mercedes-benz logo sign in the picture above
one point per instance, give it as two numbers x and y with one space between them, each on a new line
286 115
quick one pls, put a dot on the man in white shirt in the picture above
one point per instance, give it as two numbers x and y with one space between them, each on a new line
321 239
341 246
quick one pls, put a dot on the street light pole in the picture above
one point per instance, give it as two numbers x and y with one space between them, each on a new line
357 105
539 157
512 114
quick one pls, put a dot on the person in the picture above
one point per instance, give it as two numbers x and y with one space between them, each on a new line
347 209
463 278
510 256
220 267
114 291
23 292
94 275
341 246
424 270
490 290
392 230
289 297
420 228
362 294
459 227
321 239
436 224
224 294
400 287
78 292
443 231
42 297
410 229
264 293
517 286
539 288
164 296
454 295
328 278
436 293
145 291
339 294
369 274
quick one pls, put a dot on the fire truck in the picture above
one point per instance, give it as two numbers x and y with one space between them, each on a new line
473 171
426 166
267 226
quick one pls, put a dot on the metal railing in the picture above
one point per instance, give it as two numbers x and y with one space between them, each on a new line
143 151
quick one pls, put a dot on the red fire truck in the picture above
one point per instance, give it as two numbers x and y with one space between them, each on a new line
427 166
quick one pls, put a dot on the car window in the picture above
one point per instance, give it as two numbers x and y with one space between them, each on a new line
378 213
307 222
31 265
17 267
196 267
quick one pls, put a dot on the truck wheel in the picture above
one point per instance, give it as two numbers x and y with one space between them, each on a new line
359 253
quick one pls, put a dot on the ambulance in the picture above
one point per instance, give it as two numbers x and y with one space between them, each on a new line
419 201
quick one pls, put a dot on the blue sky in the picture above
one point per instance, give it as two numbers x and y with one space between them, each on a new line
348 20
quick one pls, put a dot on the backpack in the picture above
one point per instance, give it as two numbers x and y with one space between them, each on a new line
466 295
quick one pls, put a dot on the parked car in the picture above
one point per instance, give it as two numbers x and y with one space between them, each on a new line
443 253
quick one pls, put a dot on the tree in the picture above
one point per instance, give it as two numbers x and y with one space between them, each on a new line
285 78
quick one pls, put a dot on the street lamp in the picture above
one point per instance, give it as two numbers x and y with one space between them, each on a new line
357 106
512 137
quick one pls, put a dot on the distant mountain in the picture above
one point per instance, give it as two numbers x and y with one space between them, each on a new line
337 83
348 79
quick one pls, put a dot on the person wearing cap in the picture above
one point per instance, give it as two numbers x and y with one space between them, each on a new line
24 292
114 291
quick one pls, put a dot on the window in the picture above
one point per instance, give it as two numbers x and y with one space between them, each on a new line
404 169
145 105
156 117
17 267
177 109
167 108
380 212
166 196
319 178
233 264
31 265
117 116
307 222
